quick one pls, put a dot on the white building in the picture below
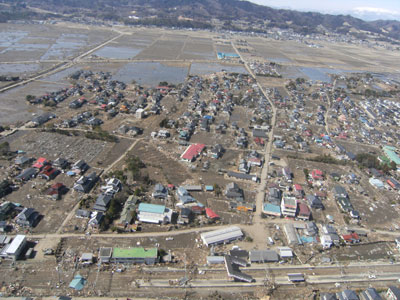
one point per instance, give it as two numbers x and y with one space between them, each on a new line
288 205
14 249
326 241
139 113
285 252
152 213
221 236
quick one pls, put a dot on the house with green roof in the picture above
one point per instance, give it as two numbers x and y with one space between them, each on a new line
391 154
78 283
136 255
384 160
153 213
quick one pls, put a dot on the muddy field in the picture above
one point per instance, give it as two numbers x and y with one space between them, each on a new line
173 171
168 47
342 56
72 148
198 48
362 252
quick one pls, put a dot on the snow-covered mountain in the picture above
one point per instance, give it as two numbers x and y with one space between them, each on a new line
375 13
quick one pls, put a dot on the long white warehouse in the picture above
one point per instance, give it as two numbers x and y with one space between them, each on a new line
221 236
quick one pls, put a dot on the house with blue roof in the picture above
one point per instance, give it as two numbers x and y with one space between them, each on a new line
271 210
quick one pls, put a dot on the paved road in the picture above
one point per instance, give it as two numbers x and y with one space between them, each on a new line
126 235
258 231
328 109
122 156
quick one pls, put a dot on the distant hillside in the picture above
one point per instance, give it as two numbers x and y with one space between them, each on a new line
199 13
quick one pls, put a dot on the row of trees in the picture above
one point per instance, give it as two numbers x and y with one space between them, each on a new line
134 164
367 160
364 160
169 22
99 134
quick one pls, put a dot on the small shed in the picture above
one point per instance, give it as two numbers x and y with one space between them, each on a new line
296 277
285 252
86 258
213 260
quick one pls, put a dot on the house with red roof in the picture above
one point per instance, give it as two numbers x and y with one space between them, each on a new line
56 190
259 141
192 152
317 174
211 214
321 194
255 161
352 238
48 172
304 212
308 133
40 163
298 191
197 210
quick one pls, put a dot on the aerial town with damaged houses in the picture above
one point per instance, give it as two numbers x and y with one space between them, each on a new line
229 182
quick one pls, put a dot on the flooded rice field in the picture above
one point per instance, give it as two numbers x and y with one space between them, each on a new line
18 69
209 68
151 73
118 52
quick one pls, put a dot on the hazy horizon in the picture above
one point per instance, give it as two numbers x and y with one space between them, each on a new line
364 9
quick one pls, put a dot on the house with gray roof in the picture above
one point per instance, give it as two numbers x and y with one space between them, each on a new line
327 296
28 217
27 174
314 202
102 202
233 191
393 293
370 294
339 192
160 191
263 256
347 295
85 183
22 160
